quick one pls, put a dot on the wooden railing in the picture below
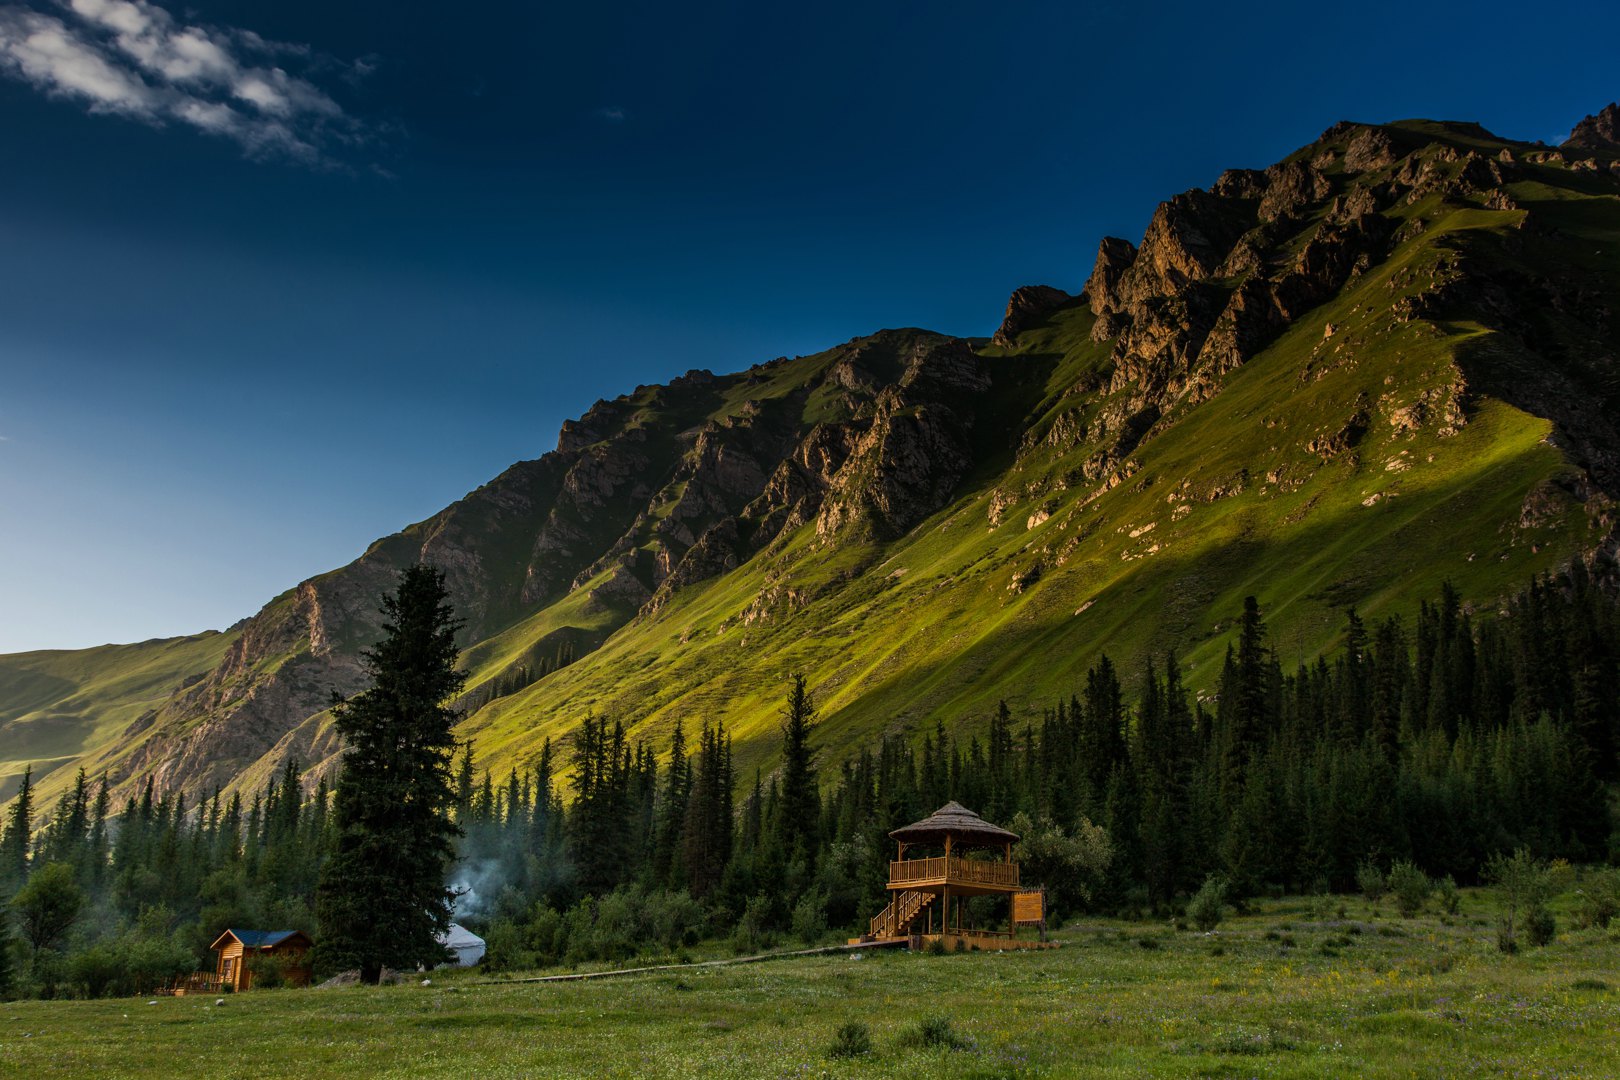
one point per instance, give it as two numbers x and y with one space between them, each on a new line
952 869
895 919
197 982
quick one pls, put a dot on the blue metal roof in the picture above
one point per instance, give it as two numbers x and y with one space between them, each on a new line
259 939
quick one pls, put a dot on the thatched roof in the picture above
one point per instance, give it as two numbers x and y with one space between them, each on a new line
959 823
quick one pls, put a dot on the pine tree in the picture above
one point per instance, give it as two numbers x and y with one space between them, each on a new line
14 845
799 818
382 898
668 842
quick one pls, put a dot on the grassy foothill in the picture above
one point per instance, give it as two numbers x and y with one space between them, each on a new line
1322 987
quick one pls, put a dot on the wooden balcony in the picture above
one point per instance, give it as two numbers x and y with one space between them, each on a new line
197 982
954 872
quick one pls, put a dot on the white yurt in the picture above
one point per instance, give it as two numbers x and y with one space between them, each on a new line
467 946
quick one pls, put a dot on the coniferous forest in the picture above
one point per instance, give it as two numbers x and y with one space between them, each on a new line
1443 741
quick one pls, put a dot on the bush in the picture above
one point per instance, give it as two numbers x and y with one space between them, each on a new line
273 972
1597 902
934 1032
1526 884
97 970
151 962
506 947
1450 896
1208 906
1370 880
8 965
1540 926
1411 887
673 919
810 917
753 933
852 1040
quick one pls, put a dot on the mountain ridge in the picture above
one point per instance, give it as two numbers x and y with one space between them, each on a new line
1415 310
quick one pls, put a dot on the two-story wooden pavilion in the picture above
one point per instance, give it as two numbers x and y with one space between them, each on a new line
940 862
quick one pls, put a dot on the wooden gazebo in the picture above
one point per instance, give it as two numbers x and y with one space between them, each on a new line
927 892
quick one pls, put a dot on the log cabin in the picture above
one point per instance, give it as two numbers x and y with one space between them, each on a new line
237 950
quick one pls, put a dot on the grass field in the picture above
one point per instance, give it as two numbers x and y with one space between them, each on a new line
1295 988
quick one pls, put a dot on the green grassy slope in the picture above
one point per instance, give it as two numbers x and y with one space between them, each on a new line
930 628
58 707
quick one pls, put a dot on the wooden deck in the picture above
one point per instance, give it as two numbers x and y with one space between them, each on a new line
198 982
953 871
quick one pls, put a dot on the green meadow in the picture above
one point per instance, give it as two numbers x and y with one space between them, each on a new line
1304 987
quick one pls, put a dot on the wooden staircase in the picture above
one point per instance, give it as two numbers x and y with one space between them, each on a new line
896 919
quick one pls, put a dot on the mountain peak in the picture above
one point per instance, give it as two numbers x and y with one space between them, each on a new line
1026 308
1600 132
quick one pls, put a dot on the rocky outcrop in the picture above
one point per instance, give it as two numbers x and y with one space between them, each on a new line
1600 132
1114 260
1028 307
907 460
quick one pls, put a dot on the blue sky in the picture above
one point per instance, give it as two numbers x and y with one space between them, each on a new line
276 279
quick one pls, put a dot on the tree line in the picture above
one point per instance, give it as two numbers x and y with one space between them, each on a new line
1445 742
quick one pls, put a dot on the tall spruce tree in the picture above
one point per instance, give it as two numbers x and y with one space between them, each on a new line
798 824
14 845
382 899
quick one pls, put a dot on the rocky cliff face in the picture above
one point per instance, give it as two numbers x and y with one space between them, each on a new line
1473 274
1600 132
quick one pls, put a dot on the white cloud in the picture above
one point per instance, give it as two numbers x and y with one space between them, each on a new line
132 58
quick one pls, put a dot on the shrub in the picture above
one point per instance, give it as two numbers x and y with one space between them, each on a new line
617 934
810 917
1526 884
151 962
934 1032
852 1040
1208 906
95 971
271 972
752 933
506 947
1411 887
1450 896
8 968
1598 900
1370 880
672 918
1540 926
547 933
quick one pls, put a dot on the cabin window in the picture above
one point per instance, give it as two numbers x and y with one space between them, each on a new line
229 966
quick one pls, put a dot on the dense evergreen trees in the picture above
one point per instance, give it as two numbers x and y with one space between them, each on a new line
382 898
1442 741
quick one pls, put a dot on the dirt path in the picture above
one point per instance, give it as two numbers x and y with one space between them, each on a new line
823 951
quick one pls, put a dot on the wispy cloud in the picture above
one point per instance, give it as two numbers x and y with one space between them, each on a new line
613 114
132 58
